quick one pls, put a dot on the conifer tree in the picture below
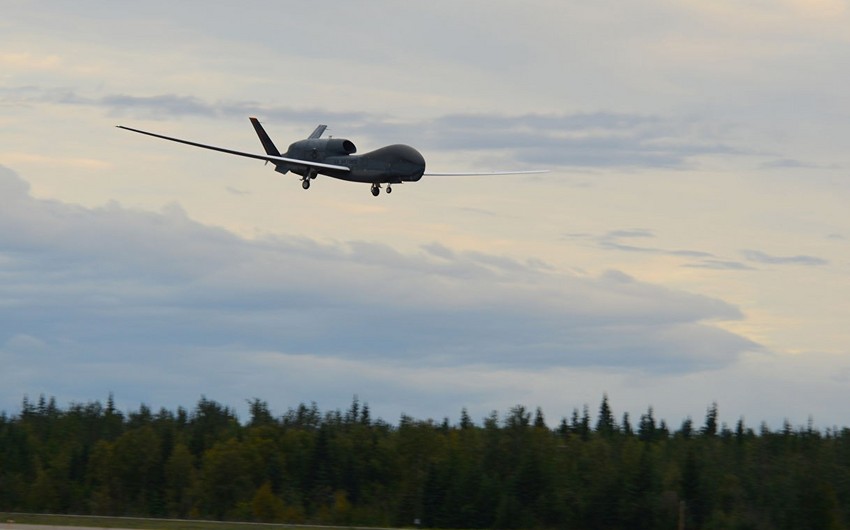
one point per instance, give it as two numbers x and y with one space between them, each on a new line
710 427
605 424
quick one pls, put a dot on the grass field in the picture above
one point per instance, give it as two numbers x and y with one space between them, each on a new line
145 524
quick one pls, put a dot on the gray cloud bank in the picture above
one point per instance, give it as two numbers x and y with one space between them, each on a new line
158 299
620 240
762 257
580 140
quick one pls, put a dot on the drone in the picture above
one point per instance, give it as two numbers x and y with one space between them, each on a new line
335 157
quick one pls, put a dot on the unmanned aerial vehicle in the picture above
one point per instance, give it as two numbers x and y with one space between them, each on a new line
335 157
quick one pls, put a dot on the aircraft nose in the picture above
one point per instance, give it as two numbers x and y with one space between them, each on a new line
414 162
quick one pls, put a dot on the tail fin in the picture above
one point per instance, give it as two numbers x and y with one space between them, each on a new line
268 145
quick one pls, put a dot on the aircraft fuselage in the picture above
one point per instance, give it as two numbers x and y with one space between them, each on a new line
392 164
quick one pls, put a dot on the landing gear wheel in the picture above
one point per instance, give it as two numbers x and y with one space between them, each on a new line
305 184
376 190
389 189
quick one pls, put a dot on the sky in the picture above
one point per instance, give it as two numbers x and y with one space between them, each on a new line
689 245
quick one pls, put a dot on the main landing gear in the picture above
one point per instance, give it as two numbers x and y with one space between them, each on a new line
305 180
376 189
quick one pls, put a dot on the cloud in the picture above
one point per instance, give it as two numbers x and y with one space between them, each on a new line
601 139
162 105
639 233
717 264
29 61
157 302
174 106
761 257
787 163
612 240
23 343
619 240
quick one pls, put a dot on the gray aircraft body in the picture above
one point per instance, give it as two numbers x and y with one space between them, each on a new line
335 157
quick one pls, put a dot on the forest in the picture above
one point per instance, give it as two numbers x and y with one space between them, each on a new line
509 470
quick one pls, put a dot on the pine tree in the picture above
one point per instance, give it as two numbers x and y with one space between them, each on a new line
605 424
710 427
465 421
584 425
539 420
646 427
627 426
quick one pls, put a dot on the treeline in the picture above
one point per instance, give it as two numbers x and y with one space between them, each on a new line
346 468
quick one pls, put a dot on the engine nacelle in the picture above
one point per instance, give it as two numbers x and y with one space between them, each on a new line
340 146
319 149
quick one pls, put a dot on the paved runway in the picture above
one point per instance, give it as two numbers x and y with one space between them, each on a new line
5 525
16 526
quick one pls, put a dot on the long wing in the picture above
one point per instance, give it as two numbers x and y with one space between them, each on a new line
268 158
523 172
